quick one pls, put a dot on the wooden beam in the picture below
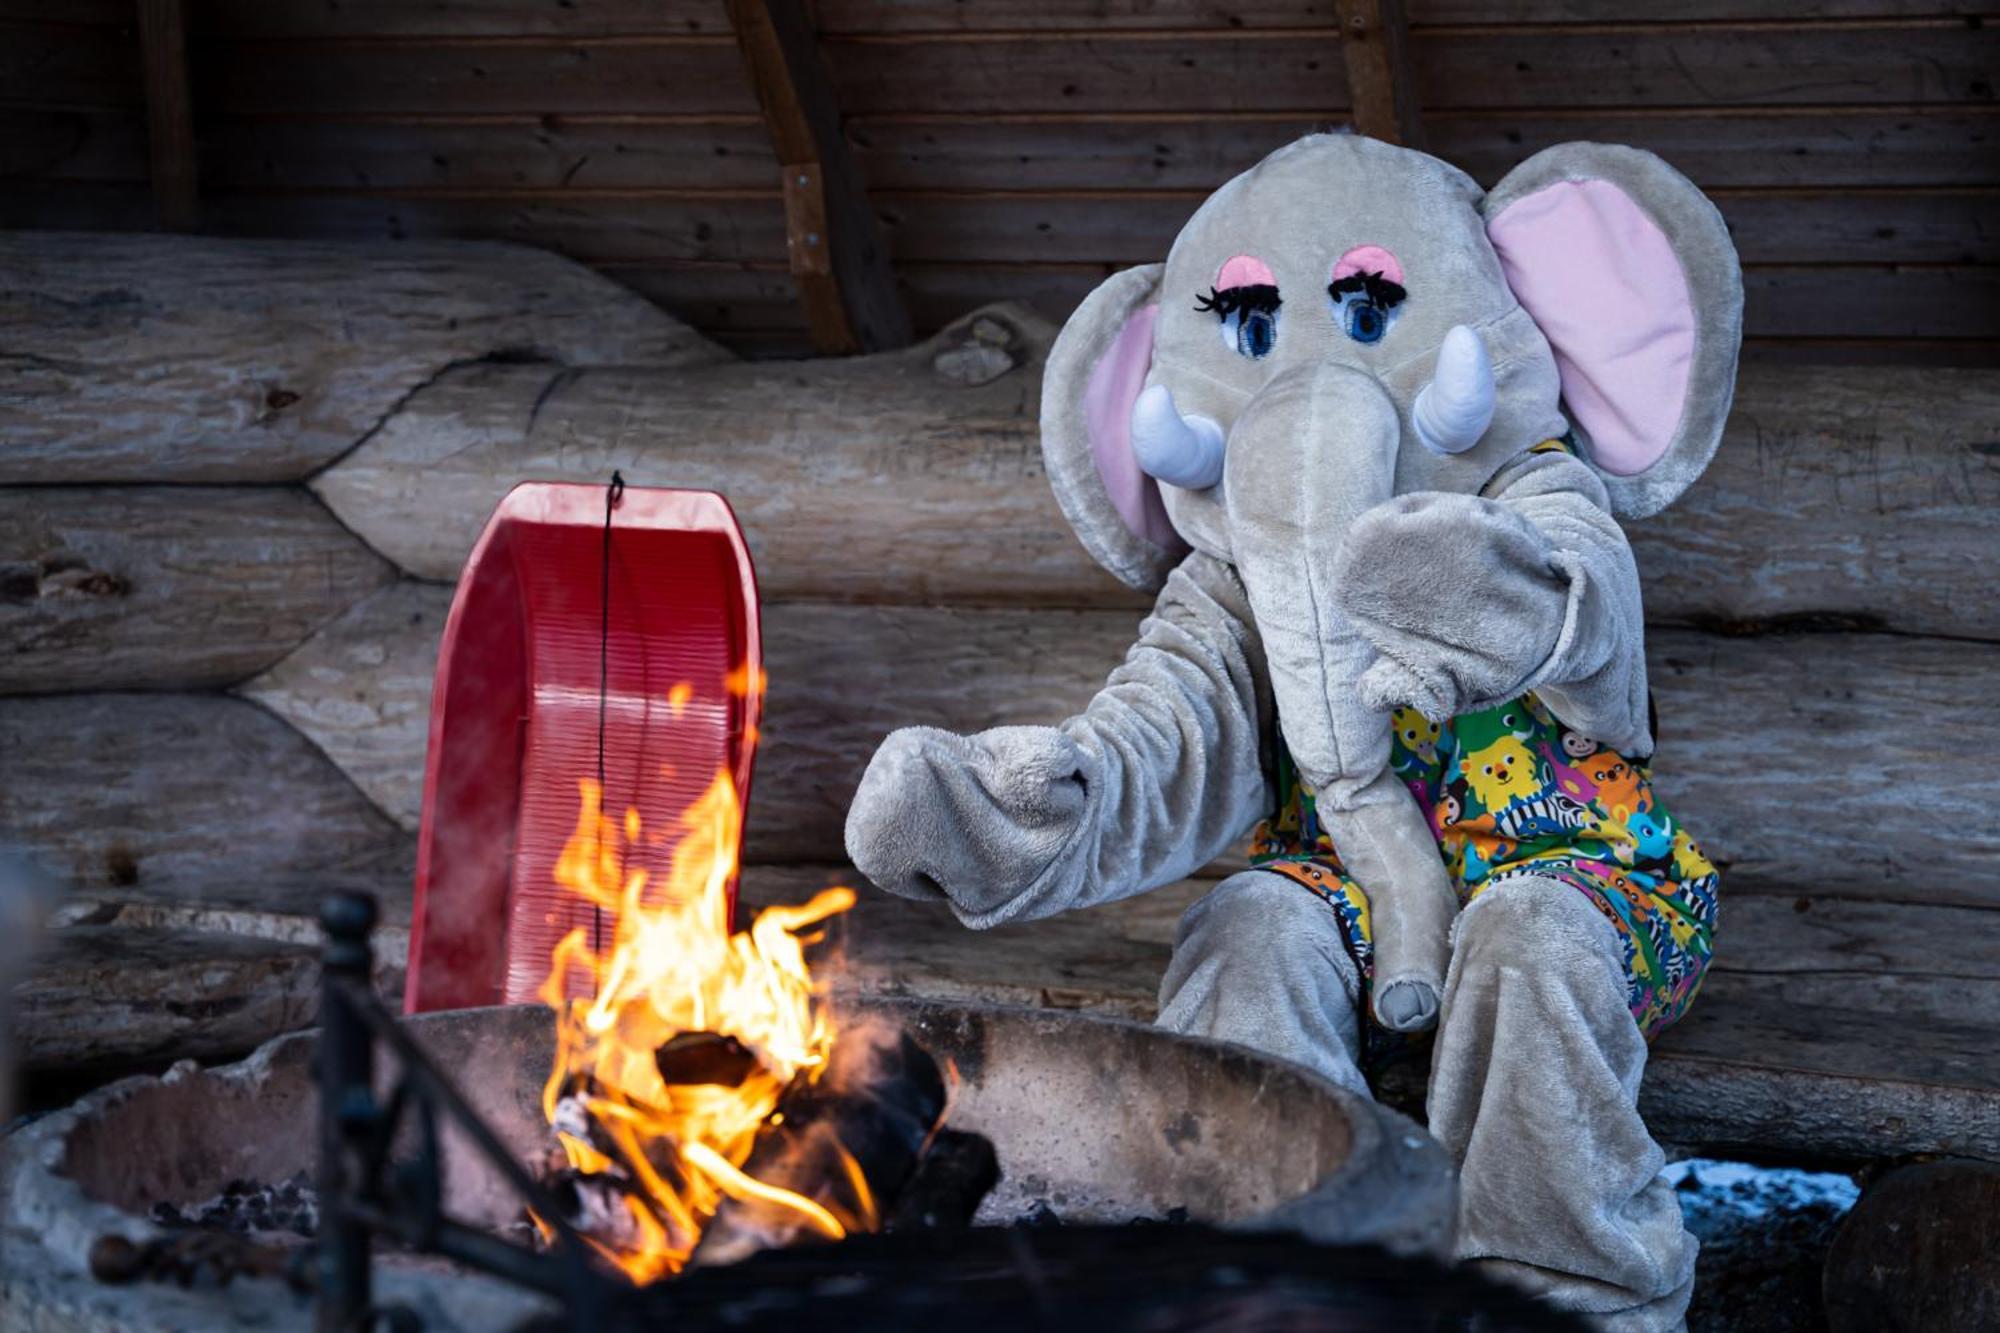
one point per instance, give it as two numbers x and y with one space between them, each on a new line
839 260
169 111
1375 40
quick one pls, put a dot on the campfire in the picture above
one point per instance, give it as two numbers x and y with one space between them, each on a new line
701 1093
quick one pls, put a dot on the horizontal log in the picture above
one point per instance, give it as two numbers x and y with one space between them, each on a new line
864 478
1757 1065
1823 759
193 359
361 692
166 587
1833 495
106 998
1858 497
113 791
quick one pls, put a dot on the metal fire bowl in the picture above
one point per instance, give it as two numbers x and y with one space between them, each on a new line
1097 1118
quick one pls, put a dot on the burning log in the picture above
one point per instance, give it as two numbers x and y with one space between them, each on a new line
847 1142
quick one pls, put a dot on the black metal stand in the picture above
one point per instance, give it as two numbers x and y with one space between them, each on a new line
365 1192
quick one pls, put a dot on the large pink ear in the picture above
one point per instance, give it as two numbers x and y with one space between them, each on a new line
1095 371
1630 273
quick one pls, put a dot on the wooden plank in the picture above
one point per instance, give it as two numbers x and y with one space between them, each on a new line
185 359
1825 146
1920 61
1138 226
1752 1068
169 111
503 152
592 226
677 74
888 16
1833 499
1882 301
72 145
152 790
1374 43
836 249
1797 760
465 18
60 66
181 587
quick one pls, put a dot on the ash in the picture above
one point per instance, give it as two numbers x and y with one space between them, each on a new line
1764 1234
247 1207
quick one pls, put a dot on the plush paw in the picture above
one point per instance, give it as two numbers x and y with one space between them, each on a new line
972 820
1459 595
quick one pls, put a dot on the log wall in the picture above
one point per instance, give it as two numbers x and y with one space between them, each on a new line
1022 149
235 484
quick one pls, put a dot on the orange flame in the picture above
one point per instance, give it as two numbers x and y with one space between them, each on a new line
674 967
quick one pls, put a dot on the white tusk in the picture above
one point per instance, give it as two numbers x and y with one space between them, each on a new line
1181 451
1456 407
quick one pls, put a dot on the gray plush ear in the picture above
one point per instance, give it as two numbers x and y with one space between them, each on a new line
1631 275
1095 371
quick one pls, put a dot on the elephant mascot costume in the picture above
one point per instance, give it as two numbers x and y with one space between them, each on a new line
1367 434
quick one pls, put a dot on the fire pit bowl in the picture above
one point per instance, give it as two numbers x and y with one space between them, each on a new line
1094 1120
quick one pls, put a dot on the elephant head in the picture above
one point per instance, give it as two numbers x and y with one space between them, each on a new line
1350 322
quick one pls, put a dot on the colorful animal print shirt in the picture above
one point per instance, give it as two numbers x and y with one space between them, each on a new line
1511 793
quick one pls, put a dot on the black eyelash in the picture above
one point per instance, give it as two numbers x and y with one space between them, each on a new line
1382 292
1229 300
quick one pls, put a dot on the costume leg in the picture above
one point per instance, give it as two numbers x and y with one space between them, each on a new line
1534 1091
1260 961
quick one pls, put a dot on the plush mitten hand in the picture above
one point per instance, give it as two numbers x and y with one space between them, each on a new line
974 820
1463 598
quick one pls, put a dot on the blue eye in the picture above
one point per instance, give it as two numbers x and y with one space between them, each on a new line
1365 322
1256 332
1248 318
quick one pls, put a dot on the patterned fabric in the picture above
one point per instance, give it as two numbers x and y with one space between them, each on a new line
1511 792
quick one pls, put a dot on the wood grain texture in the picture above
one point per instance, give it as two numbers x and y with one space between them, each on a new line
169 111
191 359
1919 61
1825 146
1858 498
1375 46
151 790
1853 765
64 66
835 246
1862 497
861 479
1136 226
360 690
1758 1064
181 587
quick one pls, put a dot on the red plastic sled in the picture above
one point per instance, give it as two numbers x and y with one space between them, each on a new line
514 716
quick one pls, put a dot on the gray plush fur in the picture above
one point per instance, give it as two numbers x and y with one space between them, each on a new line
1164 771
1341 568
1533 1078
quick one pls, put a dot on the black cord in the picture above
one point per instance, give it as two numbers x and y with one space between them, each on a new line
612 495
